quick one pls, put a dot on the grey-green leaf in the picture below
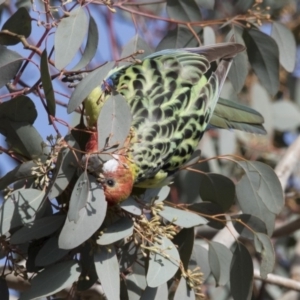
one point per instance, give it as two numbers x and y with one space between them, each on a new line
239 68
116 231
163 264
131 206
241 273
157 293
19 23
135 44
183 291
69 36
114 122
90 82
47 84
79 197
52 280
183 10
39 228
90 219
264 246
50 253
286 44
91 45
219 260
20 208
10 63
182 218
263 56
107 268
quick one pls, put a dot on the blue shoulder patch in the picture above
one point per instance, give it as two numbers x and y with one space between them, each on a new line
107 84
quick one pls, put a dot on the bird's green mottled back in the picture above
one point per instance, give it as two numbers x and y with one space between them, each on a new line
171 102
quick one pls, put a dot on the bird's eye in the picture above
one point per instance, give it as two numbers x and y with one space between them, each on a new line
110 182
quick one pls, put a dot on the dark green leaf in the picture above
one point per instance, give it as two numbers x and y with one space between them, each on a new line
10 63
218 189
47 84
52 280
264 246
286 44
19 23
244 5
20 208
131 206
79 197
208 4
50 253
116 231
241 273
69 36
239 68
219 260
39 228
184 241
252 222
163 264
183 10
211 209
180 37
263 56
91 45
114 122
181 217
90 219
4 292
84 88
183 291
157 293
107 268
65 167
18 109
135 44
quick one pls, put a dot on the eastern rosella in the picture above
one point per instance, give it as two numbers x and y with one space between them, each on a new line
172 95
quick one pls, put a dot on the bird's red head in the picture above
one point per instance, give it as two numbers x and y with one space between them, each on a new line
117 179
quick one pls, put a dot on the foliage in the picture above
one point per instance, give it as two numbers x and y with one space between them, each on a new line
54 216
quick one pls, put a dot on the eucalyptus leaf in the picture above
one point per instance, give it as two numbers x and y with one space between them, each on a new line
183 10
79 197
131 206
69 36
107 268
114 122
52 280
241 273
135 44
163 264
136 281
247 225
157 293
85 86
219 260
38 229
47 84
209 36
19 23
181 217
18 109
50 253
183 291
116 231
263 56
157 194
264 246
90 219
91 46
20 208
10 63
286 44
